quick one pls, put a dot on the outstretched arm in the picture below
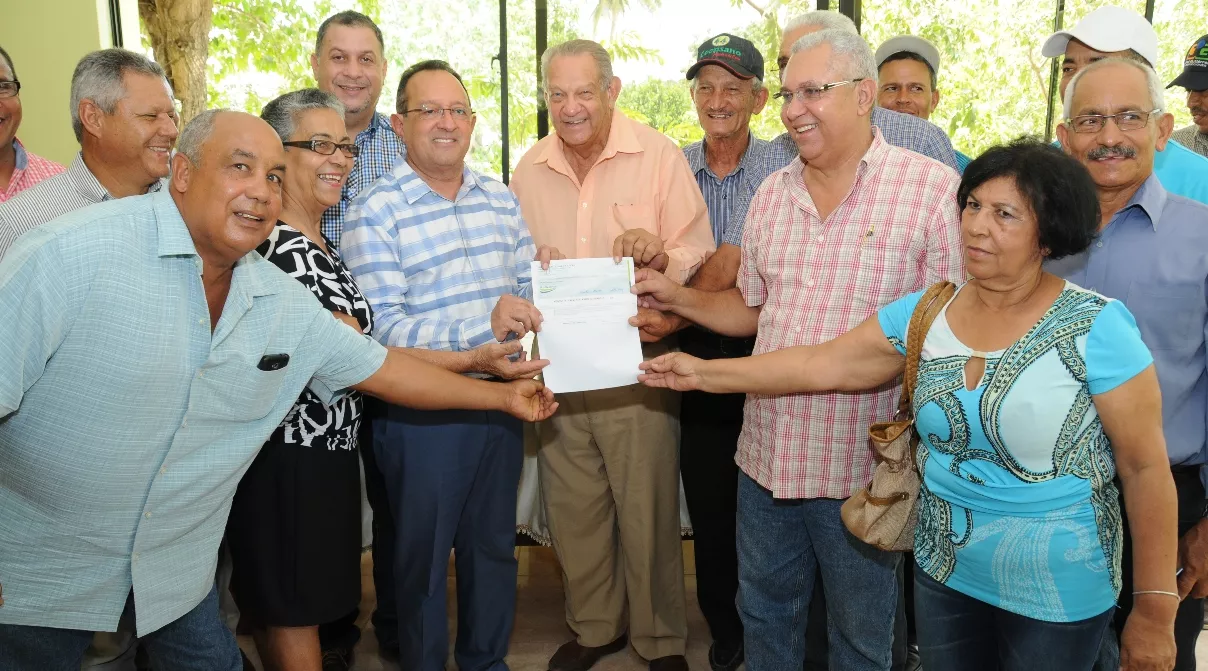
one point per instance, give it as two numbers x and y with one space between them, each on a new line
860 359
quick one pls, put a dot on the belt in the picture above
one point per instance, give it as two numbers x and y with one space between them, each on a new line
707 344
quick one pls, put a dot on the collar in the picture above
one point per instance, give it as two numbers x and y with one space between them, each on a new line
378 122
1150 199
88 186
697 155
22 156
875 155
413 187
621 140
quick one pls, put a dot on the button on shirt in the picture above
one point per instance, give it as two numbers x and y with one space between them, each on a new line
30 170
720 193
381 148
901 130
896 232
126 424
63 193
640 180
1151 256
433 269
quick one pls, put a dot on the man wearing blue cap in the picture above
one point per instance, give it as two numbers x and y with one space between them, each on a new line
1195 80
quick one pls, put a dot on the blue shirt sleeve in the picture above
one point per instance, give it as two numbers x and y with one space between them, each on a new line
895 319
1114 351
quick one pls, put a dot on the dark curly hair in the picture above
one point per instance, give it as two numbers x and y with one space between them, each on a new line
1056 186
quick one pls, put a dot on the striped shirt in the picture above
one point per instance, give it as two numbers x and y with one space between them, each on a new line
30 170
720 193
125 423
902 130
381 148
433 269
52 198
897 231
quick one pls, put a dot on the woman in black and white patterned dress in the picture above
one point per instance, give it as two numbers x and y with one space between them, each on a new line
295 525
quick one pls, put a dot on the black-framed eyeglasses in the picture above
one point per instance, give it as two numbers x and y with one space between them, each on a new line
811 92
325 147
430 113
1127 120
9 88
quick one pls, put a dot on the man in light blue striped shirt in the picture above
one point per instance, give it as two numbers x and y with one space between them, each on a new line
146 353
443 256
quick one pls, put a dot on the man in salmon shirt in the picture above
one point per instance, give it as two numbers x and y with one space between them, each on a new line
605 185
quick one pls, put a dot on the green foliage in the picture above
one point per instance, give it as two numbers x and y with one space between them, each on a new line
663 105
613 9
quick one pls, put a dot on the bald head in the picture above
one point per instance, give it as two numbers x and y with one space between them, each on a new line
226 181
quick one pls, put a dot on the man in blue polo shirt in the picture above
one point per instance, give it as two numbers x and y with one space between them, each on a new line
1115 32
146 354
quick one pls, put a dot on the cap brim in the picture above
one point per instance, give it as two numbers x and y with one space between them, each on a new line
1192 81
1056 44
737 72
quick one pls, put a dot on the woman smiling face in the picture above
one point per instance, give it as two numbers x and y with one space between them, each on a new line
1000 233
311 177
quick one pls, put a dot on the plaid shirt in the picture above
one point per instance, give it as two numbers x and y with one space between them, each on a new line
433 269
380 150
720 193
901 130
30 170
898 231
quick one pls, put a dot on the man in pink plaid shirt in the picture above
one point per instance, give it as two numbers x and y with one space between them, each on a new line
19 167
850 226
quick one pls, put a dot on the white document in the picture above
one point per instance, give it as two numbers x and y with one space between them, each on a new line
585 334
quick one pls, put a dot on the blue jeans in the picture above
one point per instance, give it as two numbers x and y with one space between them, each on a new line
451 478
957 633
197 641
781 543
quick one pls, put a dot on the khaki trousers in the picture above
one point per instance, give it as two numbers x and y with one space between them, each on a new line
609 468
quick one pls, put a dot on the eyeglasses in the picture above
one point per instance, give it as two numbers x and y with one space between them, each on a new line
811 92
1093 123
9 88
325 147
429 113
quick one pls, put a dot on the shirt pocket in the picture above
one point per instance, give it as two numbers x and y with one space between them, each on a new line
879 257
1168 315
238 391
636 216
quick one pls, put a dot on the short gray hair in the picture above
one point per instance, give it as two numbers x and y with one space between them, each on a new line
98 77
756 84
849 46
574 48
822 19
195 133
1156 97
283 112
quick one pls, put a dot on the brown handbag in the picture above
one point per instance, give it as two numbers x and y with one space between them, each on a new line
885 514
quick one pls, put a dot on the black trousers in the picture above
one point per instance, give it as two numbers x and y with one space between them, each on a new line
343 633
1189 621
709 428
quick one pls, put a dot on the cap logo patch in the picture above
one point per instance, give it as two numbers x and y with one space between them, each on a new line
721 40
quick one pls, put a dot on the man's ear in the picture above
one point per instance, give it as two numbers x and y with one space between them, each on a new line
92 117
1165 126
1063 134
182 172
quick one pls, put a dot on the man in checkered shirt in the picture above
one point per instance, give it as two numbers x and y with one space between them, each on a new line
846 228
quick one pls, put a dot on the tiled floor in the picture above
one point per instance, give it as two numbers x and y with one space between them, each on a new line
540 622
541 628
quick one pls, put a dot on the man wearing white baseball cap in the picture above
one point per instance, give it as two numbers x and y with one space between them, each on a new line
907 72
1113 31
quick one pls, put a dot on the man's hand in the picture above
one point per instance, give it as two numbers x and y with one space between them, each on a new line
494 359
653 325
514 315
645 247
654 290
1147 643
530 400
546 253
676 371
1193 557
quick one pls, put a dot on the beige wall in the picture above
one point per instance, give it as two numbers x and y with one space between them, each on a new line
45 39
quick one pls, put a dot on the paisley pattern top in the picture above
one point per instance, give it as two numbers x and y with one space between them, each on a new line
1017 507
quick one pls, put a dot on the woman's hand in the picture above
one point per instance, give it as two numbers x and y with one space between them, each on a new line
677 371
1147 643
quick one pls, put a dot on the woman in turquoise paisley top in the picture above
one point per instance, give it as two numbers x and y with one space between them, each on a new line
1033 394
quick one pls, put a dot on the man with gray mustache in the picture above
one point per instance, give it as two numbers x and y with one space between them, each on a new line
1150 255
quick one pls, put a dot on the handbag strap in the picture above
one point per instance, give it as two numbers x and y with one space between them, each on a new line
928 308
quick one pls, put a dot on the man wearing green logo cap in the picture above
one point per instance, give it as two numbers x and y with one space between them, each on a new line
1195 80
